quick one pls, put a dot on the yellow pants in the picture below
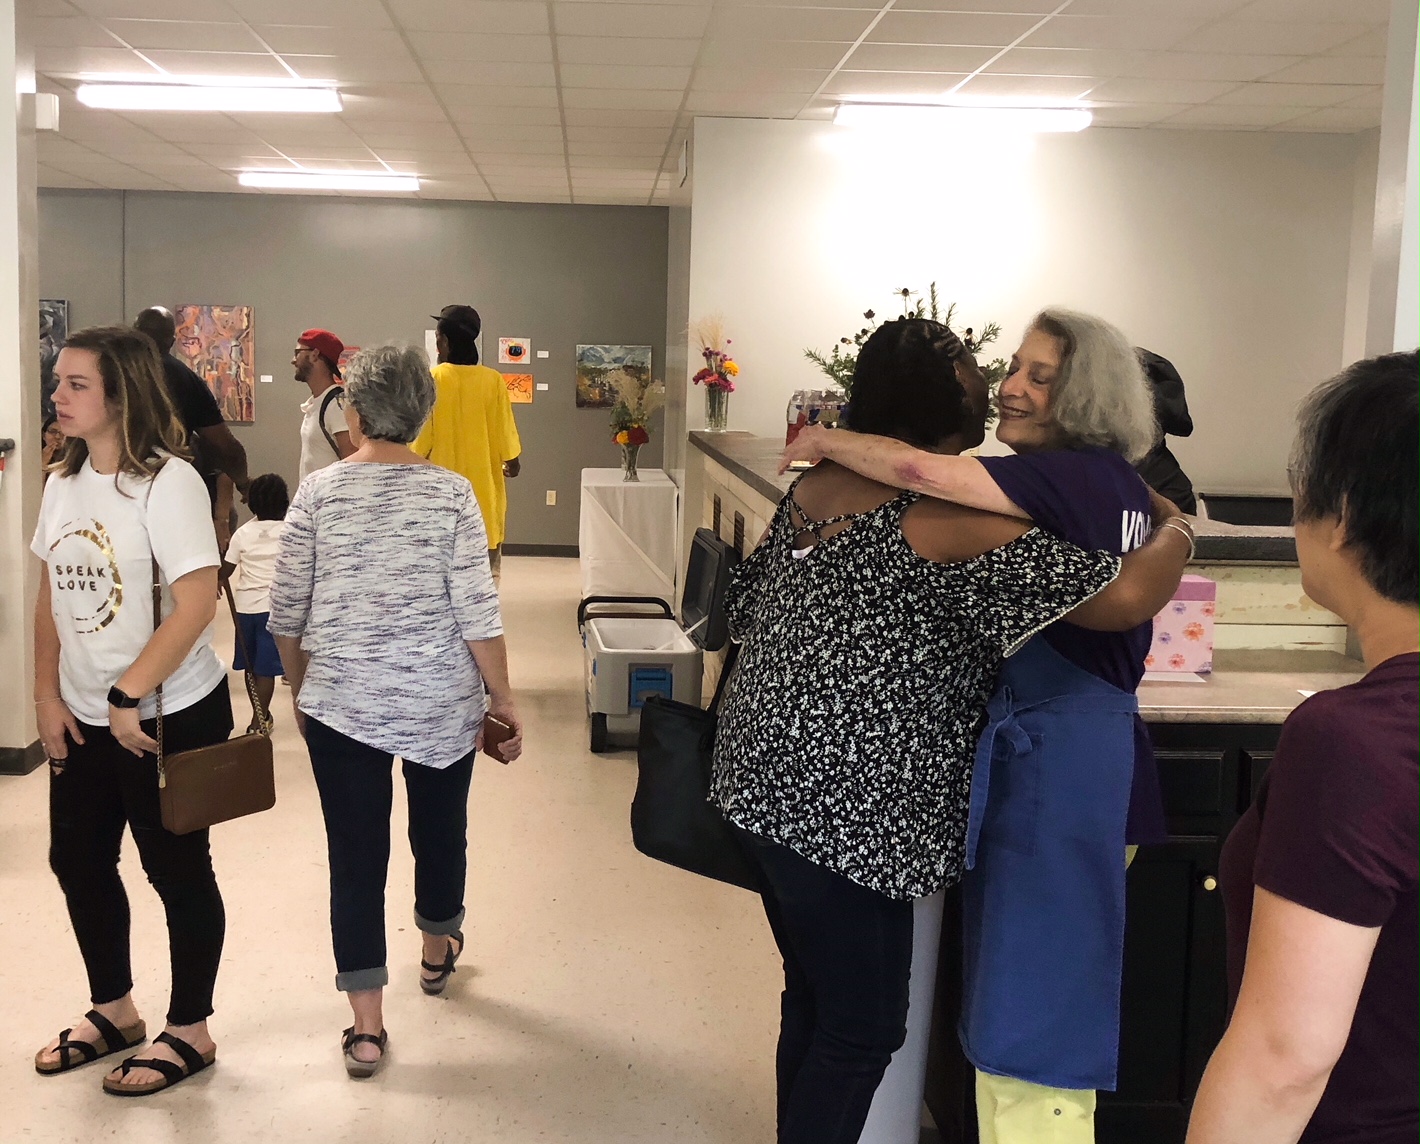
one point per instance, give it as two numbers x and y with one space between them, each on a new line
1010 1111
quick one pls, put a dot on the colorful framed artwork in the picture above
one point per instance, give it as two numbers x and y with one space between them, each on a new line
520 388
514 351
219 344
597 370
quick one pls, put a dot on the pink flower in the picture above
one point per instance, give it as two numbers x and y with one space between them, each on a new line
1176 662
1193 631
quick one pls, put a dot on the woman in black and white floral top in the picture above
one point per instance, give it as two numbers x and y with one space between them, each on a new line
872 624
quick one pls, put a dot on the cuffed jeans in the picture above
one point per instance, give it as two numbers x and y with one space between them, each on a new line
847 963
93 794
356 786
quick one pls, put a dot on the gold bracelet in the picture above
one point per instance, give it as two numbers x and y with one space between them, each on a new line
1183 531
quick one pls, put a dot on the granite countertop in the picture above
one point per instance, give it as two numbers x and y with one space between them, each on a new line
754 460
1248 687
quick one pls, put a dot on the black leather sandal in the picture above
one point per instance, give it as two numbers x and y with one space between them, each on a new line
353 1064
193 1062
76 1054
435 985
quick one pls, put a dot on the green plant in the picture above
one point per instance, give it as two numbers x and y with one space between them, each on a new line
838 364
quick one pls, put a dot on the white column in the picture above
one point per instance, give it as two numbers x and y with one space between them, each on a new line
19 397
1393 301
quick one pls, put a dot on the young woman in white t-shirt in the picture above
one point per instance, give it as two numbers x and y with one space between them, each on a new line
119 499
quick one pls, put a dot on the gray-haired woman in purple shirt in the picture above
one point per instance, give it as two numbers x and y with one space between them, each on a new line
1319 876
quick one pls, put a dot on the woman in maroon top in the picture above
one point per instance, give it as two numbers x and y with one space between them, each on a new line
1319 876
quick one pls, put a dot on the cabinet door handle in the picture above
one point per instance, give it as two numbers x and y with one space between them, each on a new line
1208 882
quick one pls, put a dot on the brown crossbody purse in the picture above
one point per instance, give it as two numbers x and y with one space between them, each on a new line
231 779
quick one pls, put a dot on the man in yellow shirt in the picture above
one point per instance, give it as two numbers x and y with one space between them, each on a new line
471 430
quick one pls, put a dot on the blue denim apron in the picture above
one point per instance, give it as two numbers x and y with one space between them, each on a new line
1043 899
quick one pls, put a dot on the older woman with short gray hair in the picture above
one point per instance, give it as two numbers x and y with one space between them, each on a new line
1040 1015
387 619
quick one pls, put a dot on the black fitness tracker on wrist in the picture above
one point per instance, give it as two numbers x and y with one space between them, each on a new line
120 699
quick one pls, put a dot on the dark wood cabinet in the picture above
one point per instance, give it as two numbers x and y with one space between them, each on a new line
1174 987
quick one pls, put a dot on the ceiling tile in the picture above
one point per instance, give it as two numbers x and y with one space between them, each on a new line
907 84
605 149
1136 114
771 53
501 16
1111 32
1335 119
69 32
184 36
625 77
612 165
623 50
950 28
1246 118
609 99
843 25
457 95
1370 97
257 65
362 69
495 73
505 160
1014 7
1159 91
53 177
760 105
1167 9
797 80
315 13
1334 69
1333 11
318 41
618 119
74 61
483 126
478 48
913 57
1253 37
1287 95
380 139
1042 87
1139 65
617 135
1371 44
215 10
672 21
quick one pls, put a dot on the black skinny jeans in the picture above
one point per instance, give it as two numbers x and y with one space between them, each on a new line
102 788
847 962
356 788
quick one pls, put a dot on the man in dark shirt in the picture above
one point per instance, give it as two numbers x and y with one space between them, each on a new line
1160 469
216 453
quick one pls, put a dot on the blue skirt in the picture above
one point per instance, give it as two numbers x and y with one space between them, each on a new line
260 642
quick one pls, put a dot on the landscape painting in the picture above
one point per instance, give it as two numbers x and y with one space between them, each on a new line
53 330
600 367
219 344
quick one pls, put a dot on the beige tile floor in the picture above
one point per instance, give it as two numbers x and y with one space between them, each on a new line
603 997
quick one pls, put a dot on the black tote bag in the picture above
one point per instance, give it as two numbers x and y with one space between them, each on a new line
672 819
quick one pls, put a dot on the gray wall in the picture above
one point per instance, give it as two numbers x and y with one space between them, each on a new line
373 271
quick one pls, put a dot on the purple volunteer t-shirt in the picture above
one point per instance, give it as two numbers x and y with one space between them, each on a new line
1094 499
1335 828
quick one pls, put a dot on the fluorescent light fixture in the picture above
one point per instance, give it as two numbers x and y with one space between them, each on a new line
961 116
202 93
327 181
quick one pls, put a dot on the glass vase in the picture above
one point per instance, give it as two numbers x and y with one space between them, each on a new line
717 408
628 462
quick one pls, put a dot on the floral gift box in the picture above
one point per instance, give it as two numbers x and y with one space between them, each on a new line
1183 631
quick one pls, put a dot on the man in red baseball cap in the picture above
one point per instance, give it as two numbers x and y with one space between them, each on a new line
325 437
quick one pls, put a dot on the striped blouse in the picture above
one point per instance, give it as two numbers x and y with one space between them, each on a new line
383 574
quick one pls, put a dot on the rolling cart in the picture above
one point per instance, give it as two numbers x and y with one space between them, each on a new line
634 647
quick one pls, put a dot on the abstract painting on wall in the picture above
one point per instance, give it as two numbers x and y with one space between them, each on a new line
53 329
219 344
598 368
520 388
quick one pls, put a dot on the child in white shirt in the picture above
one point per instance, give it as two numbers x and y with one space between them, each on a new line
250 563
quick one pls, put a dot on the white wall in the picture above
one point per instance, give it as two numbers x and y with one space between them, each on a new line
1228 252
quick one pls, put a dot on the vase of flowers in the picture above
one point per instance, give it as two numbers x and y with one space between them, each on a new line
637 398
718 374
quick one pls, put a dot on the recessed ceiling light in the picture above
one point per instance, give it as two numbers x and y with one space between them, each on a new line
962 116
198 93
327 181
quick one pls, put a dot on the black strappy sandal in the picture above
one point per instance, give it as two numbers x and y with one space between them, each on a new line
353 1064
435 985
193 1062
116 1040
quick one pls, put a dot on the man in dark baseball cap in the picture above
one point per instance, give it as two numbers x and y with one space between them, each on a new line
325 437
456 334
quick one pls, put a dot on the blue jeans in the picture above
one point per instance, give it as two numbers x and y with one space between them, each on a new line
847 962
356 788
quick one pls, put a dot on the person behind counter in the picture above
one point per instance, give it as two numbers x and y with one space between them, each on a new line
1319 876
1044 899
1159 467
872 624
